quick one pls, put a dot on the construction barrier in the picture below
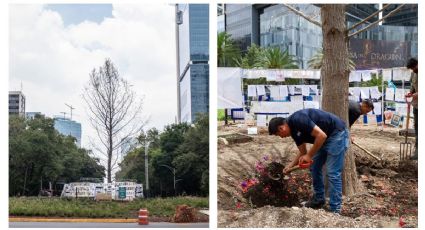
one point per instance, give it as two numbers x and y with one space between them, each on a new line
143 217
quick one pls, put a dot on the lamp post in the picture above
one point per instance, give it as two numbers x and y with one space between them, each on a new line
173 170
147 169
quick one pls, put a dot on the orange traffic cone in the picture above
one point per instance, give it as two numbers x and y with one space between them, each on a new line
143 217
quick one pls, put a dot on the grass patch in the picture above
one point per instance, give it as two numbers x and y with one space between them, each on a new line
85 208
220 114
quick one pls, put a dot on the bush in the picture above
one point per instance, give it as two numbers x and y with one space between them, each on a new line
56 207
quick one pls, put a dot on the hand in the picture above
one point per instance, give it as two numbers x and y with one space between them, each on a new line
286 169
304 159
415 96
409 95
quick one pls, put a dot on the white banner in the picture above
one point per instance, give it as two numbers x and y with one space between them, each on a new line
229 84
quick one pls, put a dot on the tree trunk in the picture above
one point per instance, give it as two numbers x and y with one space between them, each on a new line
109 172
334 72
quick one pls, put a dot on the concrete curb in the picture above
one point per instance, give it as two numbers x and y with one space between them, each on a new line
82 220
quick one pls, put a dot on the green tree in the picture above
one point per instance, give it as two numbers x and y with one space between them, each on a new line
38 154
227 51
315 62
192 159
249 60
274 58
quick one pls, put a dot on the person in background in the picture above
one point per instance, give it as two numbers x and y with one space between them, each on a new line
356 109
412 64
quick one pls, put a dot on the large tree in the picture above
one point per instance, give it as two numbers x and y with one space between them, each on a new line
114 112
38 155
335 70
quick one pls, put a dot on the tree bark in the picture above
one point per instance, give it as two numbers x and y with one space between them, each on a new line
335 72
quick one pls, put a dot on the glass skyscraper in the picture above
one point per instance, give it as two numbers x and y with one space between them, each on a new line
192 60
280 27
67 127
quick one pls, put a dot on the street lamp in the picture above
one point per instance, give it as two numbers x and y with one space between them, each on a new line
173 170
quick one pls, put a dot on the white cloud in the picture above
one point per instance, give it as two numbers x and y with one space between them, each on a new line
53 61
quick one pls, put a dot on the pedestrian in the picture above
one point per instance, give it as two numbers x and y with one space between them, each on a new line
330 138
356 109
412 64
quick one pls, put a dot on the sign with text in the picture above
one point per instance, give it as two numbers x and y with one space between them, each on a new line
377 54
122 192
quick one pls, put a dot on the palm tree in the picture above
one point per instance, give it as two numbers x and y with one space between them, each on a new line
274 58
315 62
227 51
249 60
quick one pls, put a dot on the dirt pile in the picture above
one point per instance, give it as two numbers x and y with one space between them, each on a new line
283 191
295 217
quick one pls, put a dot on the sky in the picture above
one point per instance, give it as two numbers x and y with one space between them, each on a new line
53 48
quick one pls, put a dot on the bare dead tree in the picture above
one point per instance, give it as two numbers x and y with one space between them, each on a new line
114 112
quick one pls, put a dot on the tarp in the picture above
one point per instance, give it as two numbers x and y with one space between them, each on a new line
229 86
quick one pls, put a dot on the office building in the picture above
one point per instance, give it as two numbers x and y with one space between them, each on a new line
68 127
192 38
32 115
16 103
274 25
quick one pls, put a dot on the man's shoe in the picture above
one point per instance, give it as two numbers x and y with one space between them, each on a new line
328 209
314 204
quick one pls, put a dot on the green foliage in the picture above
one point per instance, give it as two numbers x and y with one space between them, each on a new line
220 114
54 207
249 60
227 51
316 61
274 58
181 146
267 58
38 154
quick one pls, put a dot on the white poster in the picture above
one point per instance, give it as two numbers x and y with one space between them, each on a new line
305 90
377 108
229 88
274 92
400 74
252 91
387 74
261 90
374 92
364 92
283 91
389 94
355 76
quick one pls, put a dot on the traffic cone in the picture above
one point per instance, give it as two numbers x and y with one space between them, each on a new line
143 217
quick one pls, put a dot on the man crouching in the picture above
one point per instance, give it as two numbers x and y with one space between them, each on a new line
330 139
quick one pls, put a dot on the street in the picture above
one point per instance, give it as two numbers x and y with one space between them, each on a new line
103 225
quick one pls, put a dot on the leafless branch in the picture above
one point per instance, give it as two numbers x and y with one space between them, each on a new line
114 111
299 13
375 23
367 18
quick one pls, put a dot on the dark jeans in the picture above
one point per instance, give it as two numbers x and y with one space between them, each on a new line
415 117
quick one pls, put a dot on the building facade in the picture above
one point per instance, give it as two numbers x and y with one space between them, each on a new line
69 127
274 25
192 34
16 103
32 115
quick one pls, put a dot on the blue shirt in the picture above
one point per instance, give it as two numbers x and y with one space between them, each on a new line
302 122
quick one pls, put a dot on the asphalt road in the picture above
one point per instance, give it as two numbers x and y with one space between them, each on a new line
103 225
